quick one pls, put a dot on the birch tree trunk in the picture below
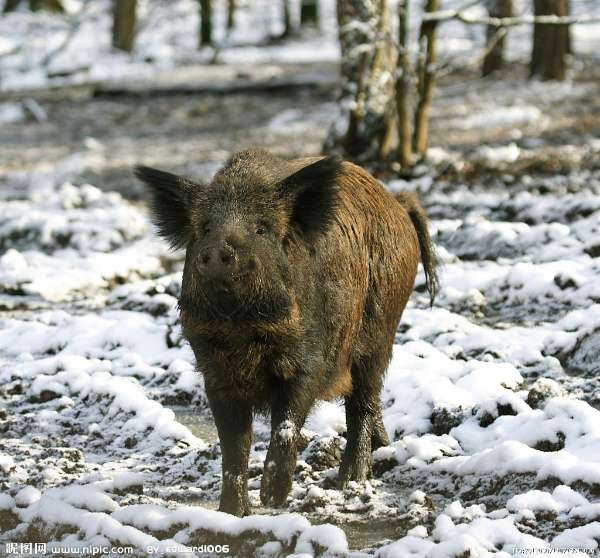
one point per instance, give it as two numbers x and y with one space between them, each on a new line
367 91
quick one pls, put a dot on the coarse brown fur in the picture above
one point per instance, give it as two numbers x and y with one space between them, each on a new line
296 275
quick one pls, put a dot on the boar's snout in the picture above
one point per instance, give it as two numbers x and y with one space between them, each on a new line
226 260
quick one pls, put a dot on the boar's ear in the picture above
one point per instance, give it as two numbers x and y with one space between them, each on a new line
169 204
312 196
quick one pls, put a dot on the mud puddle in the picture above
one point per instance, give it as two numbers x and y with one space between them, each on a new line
199 423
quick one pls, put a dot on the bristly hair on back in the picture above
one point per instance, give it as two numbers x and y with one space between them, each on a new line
169 203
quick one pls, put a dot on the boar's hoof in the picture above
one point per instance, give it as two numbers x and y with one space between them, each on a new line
275 485
234 495
358 469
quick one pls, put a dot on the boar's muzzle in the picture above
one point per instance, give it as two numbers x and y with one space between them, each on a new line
225 261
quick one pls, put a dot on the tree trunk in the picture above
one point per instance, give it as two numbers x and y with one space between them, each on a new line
35 5
287 20
48 5
426 79
495 37
309 13
403 89
205 37
550 42
123 24
10 6
367 92
567 29
231 6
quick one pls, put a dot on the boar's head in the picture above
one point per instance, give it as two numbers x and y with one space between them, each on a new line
245 233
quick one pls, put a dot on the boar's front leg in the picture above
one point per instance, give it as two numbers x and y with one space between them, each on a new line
289 409
234 423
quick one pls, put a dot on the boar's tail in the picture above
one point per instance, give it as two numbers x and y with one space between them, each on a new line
429 258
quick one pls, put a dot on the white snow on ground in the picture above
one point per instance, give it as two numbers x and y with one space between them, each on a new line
504 460
94 235
509 116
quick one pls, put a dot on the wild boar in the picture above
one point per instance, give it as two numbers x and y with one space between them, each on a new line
296 274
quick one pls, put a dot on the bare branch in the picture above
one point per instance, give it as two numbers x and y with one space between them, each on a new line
75 24
525 19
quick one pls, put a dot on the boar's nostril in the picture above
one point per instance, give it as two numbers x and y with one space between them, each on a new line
226 255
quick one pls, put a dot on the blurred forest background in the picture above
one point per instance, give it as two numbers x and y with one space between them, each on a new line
390 67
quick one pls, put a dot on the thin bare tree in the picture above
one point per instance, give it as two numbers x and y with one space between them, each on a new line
205 31
287 20
425 78
495 36
123 31
309 12
231 7
35 5
403 88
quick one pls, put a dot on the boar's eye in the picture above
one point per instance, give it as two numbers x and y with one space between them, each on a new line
205 227
261 228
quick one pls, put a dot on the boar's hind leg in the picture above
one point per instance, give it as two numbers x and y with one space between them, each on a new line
289 409
234 423
364 425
